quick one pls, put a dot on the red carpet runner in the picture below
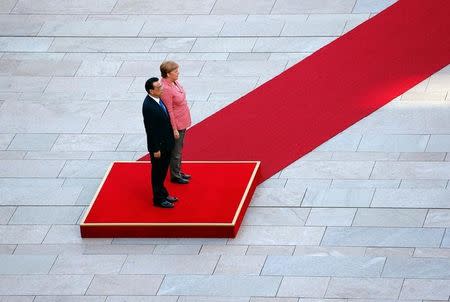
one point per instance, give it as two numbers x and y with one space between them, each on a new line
332 89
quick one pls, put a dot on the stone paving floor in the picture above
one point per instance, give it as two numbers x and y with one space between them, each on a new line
364 217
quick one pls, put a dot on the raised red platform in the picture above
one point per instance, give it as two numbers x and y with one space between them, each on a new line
212 205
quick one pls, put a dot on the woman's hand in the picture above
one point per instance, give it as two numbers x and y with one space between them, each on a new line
176 134
157 154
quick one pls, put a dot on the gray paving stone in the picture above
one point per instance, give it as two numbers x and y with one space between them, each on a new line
234 286
262 299
65 234
47 117
411 170
394 143
7 5
224 45
343 266
432 252
400 267
363 6
173 249
437 218
364 184
88 28
170 264
16 84
117 249
423 184
408 198
446 239
87 142
330 170
275 216
331 217
425 289
101 69
341 142
27 265
389 252
142 299
66 155
85 168
181 29
290 44
30 168
7 249
310 6
252 28
36 142
223 250
242 7
12 154
338 198
37 195
369 156
78 44
439 143
315 27
364 288
211 299
273 183
390 217
88 264
277 197
90 84
6 214
17 298
12 234
422 156
51 7
242 68
382 237
31 182
173 45
109 155
278 235
44 284
270 250
46 215
69 299
25 44
47 68
175 7
239 265
424 96
328 251
113 285
303 287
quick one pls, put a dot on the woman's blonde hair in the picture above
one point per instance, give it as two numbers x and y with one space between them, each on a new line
167 67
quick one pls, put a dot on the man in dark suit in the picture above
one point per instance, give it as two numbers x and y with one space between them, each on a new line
160 141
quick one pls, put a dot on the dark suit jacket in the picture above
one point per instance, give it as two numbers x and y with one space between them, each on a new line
157 126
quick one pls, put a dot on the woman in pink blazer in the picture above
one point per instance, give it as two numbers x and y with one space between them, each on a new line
174 97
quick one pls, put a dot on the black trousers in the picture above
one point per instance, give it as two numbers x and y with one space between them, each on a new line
159 172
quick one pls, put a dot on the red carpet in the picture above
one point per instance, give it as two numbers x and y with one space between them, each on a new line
324 94
212 205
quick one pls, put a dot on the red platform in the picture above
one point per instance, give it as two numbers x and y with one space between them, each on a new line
212 205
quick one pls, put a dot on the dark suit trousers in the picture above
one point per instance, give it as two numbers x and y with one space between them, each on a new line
159 172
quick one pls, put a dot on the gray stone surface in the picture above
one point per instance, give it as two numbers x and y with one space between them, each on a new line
388 237
71 90
323 266
236 286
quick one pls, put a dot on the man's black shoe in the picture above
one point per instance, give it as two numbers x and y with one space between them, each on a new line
185 176
181 181
164 204
172 199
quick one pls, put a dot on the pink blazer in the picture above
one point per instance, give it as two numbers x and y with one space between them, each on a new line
174 98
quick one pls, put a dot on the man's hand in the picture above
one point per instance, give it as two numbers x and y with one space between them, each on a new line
176 134
157 154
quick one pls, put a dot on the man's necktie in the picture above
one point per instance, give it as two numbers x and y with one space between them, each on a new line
161 104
